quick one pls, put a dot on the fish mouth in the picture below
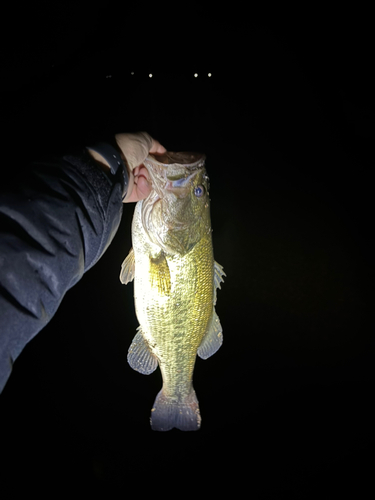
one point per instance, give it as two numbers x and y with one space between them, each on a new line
182 159
173 169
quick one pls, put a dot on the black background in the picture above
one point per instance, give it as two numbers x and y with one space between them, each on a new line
287 123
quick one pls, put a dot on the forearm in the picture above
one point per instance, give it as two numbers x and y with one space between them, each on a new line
54 227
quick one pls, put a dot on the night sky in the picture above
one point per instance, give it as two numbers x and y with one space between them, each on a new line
287 122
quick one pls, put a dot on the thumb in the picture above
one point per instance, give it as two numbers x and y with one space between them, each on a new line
135 147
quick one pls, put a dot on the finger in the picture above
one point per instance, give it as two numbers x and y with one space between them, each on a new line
143 187
141 170
135 147
140 186
157 148
136 171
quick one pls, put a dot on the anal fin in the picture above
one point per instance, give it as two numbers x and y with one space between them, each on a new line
140 357
213 339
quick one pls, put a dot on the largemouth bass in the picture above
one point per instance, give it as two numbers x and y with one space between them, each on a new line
175 282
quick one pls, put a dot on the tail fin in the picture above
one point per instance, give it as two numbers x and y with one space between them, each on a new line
167 413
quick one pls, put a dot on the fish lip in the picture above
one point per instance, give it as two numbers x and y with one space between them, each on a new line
189 160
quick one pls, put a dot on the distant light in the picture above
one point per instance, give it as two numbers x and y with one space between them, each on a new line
195 75
209 74
108 76
150 75
132 73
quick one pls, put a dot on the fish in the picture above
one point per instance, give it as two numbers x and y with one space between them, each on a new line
175 284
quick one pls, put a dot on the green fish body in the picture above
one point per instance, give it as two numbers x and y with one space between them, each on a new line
175 282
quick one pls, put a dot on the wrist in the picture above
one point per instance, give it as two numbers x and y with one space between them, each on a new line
111 161
100 159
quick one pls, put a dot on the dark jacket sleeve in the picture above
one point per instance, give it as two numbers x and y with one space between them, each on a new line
54 226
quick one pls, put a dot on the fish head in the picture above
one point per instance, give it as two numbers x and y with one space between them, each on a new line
176 214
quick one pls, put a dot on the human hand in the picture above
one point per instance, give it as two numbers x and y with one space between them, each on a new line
136 148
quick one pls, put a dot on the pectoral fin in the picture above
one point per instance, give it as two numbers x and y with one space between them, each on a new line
218 278
213 339
160 275
128 268
140 357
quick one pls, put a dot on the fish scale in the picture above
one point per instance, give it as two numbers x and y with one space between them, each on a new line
175 278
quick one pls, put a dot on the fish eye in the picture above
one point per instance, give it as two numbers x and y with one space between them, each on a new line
199 191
